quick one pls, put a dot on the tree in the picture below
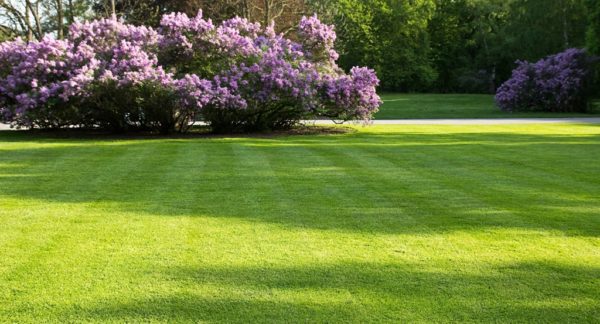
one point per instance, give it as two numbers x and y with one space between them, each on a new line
21 18
532 33
32 19
593 28
390 36
59 19
451 30
285 13
475 43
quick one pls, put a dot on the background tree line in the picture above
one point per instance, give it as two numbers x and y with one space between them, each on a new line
414 45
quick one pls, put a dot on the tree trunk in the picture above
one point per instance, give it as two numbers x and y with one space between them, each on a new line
112 9
59 17
492 85
565 25
33 11
36 17
245 9
267 13
71 12
29 31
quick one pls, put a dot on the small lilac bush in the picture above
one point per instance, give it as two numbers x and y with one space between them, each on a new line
237 76
558 83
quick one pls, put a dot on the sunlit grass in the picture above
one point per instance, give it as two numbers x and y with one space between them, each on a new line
400 106
394 223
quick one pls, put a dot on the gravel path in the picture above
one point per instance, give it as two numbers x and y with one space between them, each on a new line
496 121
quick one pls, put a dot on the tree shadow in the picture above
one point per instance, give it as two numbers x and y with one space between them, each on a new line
358 292
380 183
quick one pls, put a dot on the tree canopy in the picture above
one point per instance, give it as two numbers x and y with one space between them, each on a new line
414 45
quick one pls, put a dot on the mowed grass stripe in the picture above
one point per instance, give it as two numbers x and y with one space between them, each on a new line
403 105
479 169
45 187
402 187
303 241
377 225
525 184
452 180
364 189
406 210
315 182
55 262
557 150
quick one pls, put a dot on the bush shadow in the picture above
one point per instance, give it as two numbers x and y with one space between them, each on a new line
521 292
380 183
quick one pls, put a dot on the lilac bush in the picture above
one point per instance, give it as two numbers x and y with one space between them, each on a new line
130 90
558 83
518 92
42 81
237 76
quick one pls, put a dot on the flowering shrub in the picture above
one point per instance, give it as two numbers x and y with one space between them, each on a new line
558 83
41 81
130 89
237 76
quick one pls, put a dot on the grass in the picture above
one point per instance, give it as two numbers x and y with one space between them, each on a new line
410 106
386 224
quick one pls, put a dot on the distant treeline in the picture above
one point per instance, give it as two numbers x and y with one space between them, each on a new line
414 45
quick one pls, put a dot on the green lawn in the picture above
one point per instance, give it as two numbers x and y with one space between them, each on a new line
400 106
387 224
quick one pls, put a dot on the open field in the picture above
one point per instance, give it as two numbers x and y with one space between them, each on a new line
404 223
400 106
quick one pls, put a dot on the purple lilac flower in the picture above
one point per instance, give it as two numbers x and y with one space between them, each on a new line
555 83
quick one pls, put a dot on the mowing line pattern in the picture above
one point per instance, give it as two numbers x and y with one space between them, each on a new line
408 223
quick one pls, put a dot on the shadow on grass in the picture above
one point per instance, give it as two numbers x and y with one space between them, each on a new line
519 292
381 183
197 132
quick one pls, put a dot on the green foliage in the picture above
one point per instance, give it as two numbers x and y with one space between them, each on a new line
593 40
455 46
533 32
4 37
389 36
593 31
274 116
451 31
144 106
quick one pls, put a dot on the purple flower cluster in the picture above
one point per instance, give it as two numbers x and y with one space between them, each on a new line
183 35
317 38
237 70
557 83
195 45
199 93
345 95
127 53
104 34
34 76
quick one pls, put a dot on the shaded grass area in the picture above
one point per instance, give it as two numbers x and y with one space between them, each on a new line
390 223
407 106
